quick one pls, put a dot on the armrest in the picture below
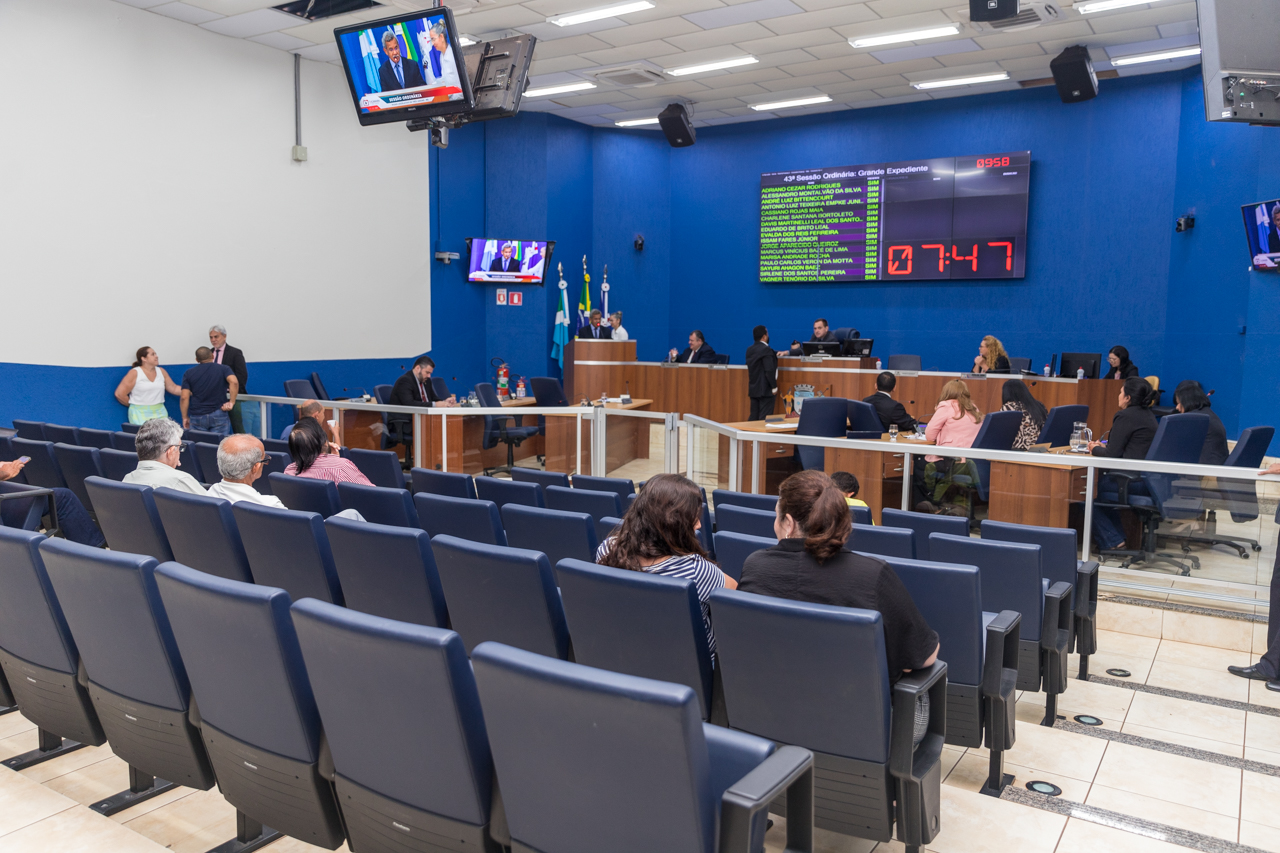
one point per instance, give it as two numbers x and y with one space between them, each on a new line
733 754
37 493
789 769
1002 649
1057 613
903 752
1124 479
324 761
1086 586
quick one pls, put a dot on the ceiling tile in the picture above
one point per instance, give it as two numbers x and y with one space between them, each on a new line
1013 51
320 53
568 46
231 7
921 51
895 8
848 63
183 12
635 33
1154 16
1040 63
834 17
948 73
819 5
809 38
321 32
252 23
782 57
754 10
142 4
630 53
547 33
897 24
674 8
912 66
542 67
280 41
1157 67
1098 41
896 91
484 20
593 110
1152 46
875 82
733 92
1076 29
1180 28
815 80
587 99
718 37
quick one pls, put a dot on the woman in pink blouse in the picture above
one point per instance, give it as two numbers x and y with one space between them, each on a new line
954 423
309 447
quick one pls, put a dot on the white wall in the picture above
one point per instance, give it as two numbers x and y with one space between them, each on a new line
146 192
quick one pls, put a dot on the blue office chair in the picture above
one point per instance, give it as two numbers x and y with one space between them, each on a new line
77 463
288 549
547 391
378 505
567 738
884 542
503 492
125 441
1238 497
382 394
321 392
258 715
816 676
1056 431
128 518
382 467
300 389
639 624
116 464
447 483
1012 579
43 469
203 534
981 650
825 417
501 429
99 438
435 777
558 534
542 478
131 429
921 525
753 522
732 550
597 504
31 509
30 430
844 333
207 458
202 436
305 494
998 432
623 486
724 497
861 515
472 519
863 421
388 571
503 594
38 655
903 362
62 434
136 679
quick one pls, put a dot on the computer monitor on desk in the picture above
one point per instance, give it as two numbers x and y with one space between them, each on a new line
820 348
1073 361
857 347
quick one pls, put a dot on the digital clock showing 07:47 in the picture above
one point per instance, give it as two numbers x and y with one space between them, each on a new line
925 259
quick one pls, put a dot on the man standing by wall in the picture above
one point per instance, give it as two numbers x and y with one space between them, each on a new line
232 357
208 394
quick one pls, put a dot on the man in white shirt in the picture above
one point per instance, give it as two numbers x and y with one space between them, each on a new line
619 333
240 462
159 444
438 64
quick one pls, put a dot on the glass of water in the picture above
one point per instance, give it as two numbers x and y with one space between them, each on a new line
893 432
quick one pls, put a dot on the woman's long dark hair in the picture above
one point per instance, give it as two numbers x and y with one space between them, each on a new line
1122 354
1191 395
1016 391
820 509
306 442
659 524
1139 392
140 355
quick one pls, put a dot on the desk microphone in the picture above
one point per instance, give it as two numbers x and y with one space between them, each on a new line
363 392
626 396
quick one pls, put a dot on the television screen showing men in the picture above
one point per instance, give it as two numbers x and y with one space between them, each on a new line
1262 227
508 261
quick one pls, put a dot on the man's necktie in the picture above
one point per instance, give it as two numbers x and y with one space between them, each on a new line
399 74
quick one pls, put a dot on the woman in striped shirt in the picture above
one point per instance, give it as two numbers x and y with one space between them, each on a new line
309 447
658 535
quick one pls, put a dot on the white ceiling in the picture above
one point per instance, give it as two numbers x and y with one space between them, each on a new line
802 47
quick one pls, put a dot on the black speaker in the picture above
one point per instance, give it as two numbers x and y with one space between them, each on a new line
1073 75
676 126
992 10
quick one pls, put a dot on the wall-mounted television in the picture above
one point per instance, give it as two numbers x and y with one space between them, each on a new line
509 261
1262 227
406 67
945 218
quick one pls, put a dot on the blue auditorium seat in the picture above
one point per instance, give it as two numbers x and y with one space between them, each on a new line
379 505
732 550
129 519
921 525
258 715
77 463
613 524
300 389
861 515
388 571
882 541
503 492
503 594
1056 431
475 520
447 483
188 463
43 469
202 436
305 494
135 676
131 429
637 623
288 549
599 761
435 777
624 487
99 438
825 417
275 464
542 478
816 676
6 449
558 534
740 519
116 464
62 434
207 457
38 655
724 497
864 422
32 518
30 430
382 467
202 533
275 445
126 441
597 504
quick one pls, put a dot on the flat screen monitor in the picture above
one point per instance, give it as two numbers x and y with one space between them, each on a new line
1071 361
1262 227
820 348
406 67
858 347
509 261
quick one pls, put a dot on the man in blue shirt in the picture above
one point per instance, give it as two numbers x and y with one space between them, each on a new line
208 394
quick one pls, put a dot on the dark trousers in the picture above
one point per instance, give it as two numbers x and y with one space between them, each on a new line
237 420
762 407
1270 662
73 518
401 432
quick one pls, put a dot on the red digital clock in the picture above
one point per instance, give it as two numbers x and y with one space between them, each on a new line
992 162
961 259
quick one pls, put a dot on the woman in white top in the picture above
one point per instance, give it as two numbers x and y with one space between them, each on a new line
619 333
143 387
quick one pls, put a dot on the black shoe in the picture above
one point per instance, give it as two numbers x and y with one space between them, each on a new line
1254 673
1274 684
926 506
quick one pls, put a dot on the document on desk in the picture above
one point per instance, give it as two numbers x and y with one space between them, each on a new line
780 426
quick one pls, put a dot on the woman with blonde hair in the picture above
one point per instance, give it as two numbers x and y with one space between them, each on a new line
991 357
143 387
954 423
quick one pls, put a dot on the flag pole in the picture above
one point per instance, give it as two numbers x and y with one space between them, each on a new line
604 293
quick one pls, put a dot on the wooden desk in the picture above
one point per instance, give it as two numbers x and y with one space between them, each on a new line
1039 493
466 441
627 439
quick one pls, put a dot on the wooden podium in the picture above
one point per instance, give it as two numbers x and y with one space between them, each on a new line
584 383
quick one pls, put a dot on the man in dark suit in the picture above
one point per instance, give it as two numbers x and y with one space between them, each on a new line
889 409
821 332
697 352
504 262
397 72
762 375
413 389
595 329
232 357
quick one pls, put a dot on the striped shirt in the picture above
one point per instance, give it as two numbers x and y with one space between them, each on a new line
330 467
706 577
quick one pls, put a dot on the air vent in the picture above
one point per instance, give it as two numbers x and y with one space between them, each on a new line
318 10
1032 15
636 74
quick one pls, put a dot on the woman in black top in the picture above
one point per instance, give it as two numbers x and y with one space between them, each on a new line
991 357
1016 397
1121 366
1132 431
1190 397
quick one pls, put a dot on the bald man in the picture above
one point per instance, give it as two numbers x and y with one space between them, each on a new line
241 459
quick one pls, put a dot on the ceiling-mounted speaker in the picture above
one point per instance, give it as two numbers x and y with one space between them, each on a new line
677 126
1073 75
992 10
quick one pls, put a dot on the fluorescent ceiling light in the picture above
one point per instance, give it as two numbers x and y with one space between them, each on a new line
559 90
1107 5
636 122
798 102
962 81
712 66
1156 57
915 35
597 14
466 40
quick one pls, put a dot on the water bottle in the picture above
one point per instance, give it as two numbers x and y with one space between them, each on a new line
1046 371
1079 373
877 364
520 389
